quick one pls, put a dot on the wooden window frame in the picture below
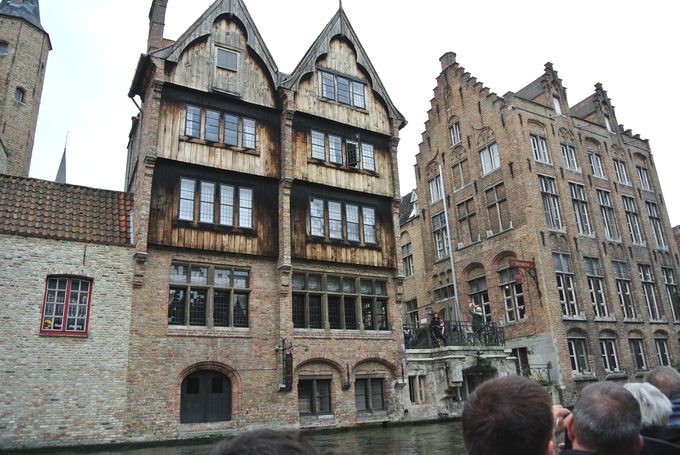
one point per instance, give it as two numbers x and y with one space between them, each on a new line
226 65
50 297
240 208
364 229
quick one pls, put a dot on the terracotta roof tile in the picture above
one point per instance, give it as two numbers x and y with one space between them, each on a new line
38 208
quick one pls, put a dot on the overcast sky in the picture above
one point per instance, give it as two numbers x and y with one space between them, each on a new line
628 46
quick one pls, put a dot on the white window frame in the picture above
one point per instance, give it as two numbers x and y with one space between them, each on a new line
551 204
610 358
623 290
633 220
621 172
407 259
580 204
671 288
454 131
490 158
662 353
565 285
440 235
637 352
513 296
596 165
607 210
539 148
578 354
654 310
435 187
598 298
643 176
655 221
569 155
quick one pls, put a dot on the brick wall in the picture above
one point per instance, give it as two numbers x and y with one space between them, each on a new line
63 390
23 66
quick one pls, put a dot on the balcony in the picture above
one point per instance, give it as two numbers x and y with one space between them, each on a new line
456 333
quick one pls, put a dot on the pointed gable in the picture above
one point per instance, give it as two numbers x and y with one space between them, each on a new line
203 28
339 26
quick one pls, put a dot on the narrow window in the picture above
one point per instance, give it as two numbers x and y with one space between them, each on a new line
454 130
358 95
623 290
207 205
335 220
596 287
610 358
317 217
578 355
621 172
556 105
607 210
662 350
596 167
407 259
655 221
649 291
230 129
490 159
20 95
580 204
327 85
565 285
212 126
467 221
245 208
671 290
226 205
513 296
249 133
193 122
440 236
335 149
461 174
435 189
318 145
352 213
227 59
551 205
643 176
352 153
3 48
569 156
369 394
638 353
633 220
344 92
497 208
186 199
369 225
479 295
367 157
539 148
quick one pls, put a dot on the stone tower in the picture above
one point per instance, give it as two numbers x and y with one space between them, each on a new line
24 46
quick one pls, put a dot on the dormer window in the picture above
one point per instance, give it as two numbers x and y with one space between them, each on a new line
227 59
343 90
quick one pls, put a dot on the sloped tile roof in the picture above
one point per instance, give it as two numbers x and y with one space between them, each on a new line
406 208
38 208
531 91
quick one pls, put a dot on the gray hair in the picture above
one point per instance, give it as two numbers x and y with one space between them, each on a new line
665 379
593 424
655 407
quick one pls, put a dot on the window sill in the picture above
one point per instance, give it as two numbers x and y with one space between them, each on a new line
587 236
316 420
609 318
627 184
615 375
557 231
467 185
609 239
342 333
342 167
248 232
583 376
492 171
504 323
635 320
199 331
47 333
343 243
662 320
361 110
219 145
364 416
544 163
575 171
600 177
575 317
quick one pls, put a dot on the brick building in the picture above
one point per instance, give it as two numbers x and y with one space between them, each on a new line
66 300
266 275
24 46
676 235
558 226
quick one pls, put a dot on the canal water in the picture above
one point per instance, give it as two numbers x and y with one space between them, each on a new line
426 439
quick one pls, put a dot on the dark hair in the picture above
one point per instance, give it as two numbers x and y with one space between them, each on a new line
665 379
264 442
607 419
509 415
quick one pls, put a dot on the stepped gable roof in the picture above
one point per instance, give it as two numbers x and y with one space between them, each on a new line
340 25
584 108
203 27
408 207
38 208
29 10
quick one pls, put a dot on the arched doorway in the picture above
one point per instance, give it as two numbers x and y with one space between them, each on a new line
206 397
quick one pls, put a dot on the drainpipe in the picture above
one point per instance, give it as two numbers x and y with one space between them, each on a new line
455 309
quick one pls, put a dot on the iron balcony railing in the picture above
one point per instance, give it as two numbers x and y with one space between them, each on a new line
455 333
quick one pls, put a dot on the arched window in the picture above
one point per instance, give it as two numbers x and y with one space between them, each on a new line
206 397
662 353
20 95
637 350
578 351
610 357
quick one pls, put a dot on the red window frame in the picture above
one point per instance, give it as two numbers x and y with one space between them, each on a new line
51 302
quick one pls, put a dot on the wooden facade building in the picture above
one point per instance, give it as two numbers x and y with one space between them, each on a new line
267 277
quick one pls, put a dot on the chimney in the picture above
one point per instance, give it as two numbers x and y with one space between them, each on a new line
156 24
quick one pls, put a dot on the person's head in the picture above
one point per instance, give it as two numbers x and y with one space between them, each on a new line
655 407
606 420
264 442
509 415
665 379
435 315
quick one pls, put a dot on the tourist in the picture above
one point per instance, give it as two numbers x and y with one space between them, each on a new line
437 329
265 442
655 409
606 421
511 415
667 380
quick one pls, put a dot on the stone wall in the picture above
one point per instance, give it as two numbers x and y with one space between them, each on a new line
63 389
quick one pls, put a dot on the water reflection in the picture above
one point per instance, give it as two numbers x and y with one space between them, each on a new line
429 439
